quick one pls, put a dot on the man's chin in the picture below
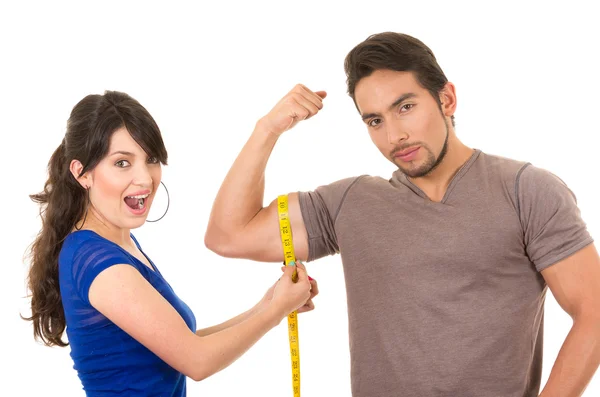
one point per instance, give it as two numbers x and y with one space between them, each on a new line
415 172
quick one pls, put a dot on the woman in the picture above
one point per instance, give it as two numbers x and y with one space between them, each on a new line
129 332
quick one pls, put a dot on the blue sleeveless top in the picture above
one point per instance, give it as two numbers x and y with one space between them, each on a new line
108 361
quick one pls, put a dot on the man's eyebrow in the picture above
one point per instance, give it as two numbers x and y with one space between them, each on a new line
397 102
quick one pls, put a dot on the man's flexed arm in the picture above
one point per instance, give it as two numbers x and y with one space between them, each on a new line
239 226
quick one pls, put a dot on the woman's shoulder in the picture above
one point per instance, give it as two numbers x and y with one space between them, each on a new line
84 255
86 246
85 239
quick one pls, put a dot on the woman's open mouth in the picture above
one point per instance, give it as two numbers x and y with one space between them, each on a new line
137 203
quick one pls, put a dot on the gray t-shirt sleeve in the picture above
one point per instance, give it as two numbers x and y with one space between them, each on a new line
320 209
552 224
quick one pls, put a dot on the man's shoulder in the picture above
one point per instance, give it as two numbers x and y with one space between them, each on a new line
516 169
502 165
362 183
335 193
347 183
500 169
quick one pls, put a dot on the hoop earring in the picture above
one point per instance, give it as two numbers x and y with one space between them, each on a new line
168 203
87 207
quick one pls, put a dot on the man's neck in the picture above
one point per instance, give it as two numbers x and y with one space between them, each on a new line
435 184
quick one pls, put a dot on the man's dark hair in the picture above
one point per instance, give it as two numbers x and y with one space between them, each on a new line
399 52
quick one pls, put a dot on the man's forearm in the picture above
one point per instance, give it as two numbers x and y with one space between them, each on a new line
241 195
577 360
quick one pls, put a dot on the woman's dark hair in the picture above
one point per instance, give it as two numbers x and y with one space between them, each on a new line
63 201
394 51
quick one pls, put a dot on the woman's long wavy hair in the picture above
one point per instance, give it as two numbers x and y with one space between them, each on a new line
63 202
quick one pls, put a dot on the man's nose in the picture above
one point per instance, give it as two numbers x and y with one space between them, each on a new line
396 133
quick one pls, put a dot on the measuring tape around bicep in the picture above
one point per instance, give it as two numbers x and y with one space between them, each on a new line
285 229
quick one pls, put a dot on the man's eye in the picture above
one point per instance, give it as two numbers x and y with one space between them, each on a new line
406 107
374 122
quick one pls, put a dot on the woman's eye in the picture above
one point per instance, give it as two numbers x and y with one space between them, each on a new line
122 163
152 160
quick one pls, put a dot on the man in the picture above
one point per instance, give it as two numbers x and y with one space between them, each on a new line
446 263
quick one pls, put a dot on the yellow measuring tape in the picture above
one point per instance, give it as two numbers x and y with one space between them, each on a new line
285 228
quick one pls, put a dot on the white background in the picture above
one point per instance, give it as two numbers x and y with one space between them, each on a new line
527 85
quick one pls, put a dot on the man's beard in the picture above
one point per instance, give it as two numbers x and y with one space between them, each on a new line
430 163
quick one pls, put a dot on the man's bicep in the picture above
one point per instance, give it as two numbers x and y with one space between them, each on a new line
552 223
263 238
299 232
574 282
312 216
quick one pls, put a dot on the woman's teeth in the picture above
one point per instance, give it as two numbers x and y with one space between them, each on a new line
141 199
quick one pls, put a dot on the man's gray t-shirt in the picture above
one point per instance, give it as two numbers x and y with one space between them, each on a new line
445 298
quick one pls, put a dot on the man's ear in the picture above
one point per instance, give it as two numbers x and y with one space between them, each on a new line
448 99
85 180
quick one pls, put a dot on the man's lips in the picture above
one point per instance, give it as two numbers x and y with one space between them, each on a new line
406 152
